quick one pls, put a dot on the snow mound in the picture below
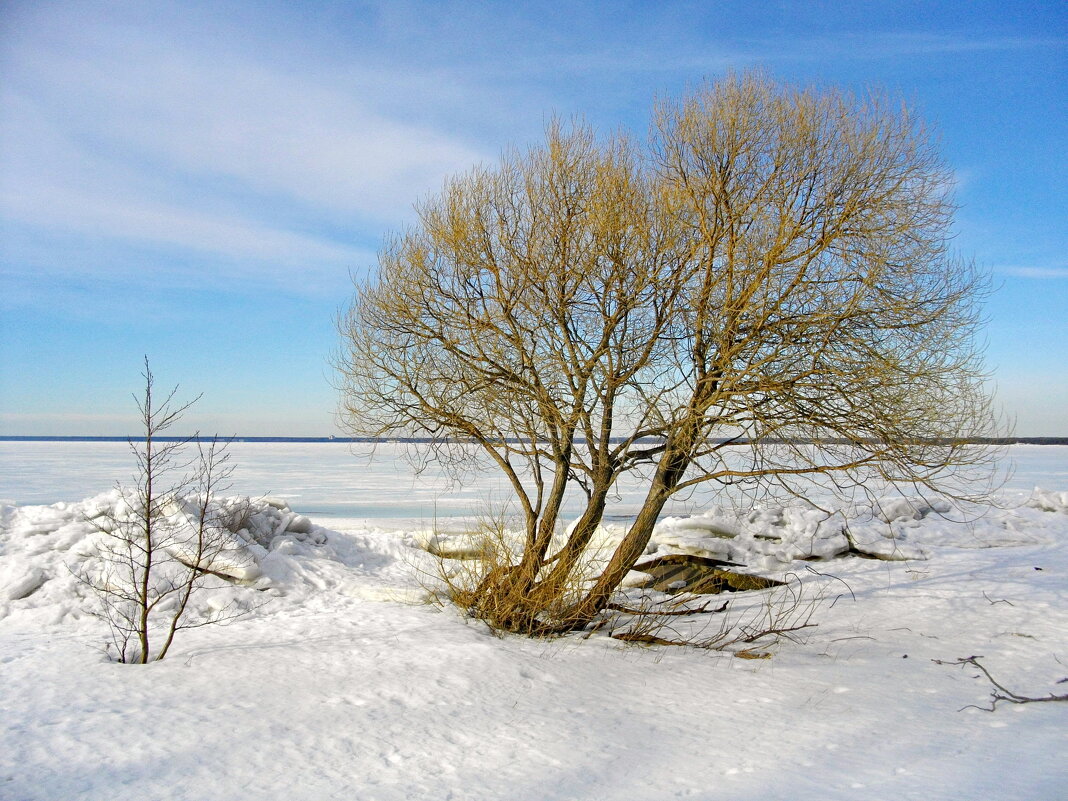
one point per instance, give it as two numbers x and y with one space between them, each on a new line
1049 501
270 551
48 552
763 537
892 528
903 508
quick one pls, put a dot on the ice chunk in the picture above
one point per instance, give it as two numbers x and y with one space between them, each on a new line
1049 501
299 524
24 585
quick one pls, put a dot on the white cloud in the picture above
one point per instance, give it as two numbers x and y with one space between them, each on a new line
18 418
124 133
159 223
1034 272
269 131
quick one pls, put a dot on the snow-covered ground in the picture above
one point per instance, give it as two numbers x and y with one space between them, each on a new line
344 685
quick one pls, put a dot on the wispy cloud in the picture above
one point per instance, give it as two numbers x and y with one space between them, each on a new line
64 417
928 43
1034 272
126 134
743 52
239 245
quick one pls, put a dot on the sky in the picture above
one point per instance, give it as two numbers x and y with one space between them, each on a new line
199 182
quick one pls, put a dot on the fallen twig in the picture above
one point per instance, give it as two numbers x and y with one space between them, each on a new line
997 600
1001 692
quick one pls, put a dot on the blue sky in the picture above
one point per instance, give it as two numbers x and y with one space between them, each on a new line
197 181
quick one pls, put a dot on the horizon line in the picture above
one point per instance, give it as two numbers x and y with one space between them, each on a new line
1044 440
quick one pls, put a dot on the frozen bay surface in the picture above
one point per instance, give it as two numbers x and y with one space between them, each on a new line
380 485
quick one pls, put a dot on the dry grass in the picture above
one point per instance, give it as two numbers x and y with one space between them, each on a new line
497 588
748 618
484 586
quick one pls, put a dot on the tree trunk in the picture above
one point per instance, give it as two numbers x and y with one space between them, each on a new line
670 471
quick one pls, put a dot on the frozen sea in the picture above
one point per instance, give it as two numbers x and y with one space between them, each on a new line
380 486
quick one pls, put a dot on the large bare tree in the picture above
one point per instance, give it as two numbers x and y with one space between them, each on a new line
762 295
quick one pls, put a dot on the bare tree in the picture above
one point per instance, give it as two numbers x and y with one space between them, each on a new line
762 296
162 537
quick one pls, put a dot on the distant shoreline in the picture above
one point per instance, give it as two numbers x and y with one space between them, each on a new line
196 439
416 440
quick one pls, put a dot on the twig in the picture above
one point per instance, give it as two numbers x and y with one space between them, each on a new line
1001 692
997 600
703 609
811 569
785 631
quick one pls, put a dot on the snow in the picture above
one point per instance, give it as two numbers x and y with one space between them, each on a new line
342 681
